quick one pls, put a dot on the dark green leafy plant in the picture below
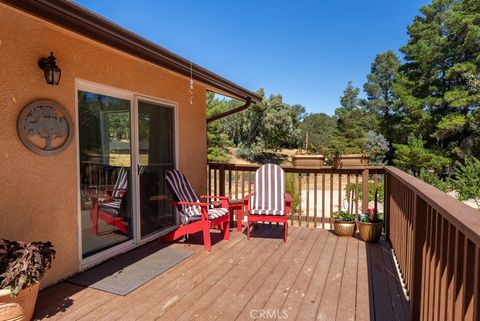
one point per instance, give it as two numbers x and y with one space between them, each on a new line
23 264
343 216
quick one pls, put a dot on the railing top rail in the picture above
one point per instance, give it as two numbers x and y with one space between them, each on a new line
291 169
465 218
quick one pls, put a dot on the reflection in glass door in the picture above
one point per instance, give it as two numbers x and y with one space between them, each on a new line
105 171
156 156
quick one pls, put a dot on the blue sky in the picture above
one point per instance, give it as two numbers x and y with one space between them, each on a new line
305 50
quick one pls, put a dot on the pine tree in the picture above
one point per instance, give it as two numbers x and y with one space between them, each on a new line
380 90
353 122
442 55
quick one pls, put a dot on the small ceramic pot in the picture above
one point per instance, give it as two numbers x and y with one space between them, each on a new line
344 228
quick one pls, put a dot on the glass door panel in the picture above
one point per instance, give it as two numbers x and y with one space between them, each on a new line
156 156
105 171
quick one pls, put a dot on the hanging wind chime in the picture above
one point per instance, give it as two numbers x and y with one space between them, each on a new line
190 87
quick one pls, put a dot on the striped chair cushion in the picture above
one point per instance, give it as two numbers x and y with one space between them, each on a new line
213 213
121 183
112 206
182 191
269 198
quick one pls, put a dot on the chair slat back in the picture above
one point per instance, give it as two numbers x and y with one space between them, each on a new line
121 183
269 195
182 191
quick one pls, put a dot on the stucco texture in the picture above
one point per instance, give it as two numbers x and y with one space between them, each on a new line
38 194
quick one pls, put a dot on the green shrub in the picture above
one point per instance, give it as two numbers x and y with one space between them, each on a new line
467 180
371 191
375 147
291 187
433 179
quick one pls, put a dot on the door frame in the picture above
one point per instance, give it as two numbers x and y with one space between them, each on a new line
133 97
163 103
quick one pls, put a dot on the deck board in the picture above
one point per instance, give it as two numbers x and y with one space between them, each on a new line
314 275
299 289
347 299
243 288
258 300
327 309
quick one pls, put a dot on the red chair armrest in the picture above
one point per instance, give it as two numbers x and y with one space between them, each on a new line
191 203
203 206
213 196
224 200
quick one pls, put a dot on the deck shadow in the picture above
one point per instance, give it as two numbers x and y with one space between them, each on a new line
265 231
386 294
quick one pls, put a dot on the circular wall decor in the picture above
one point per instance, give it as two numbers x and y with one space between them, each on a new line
44 127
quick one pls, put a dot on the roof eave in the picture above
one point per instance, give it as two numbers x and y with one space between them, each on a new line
86 23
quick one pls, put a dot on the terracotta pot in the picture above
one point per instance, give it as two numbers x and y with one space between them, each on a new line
344 228
308 161
19 308
370 232
350 160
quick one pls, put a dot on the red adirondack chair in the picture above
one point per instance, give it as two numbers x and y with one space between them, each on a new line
107 207
269 202
196 216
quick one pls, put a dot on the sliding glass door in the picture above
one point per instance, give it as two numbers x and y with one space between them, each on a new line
126 145
105 171
156 156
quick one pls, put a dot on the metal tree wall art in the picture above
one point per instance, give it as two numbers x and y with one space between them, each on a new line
44 127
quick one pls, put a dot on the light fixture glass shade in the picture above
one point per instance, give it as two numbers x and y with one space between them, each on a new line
56 73
50 69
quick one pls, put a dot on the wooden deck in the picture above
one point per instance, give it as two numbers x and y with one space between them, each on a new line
315 275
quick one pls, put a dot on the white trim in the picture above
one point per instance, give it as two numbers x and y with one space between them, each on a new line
158 234
106 254
133 97
96 88
135 162
79 194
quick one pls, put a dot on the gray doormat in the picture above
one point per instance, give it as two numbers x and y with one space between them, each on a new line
123 274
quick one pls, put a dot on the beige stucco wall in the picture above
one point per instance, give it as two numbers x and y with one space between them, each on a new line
38 194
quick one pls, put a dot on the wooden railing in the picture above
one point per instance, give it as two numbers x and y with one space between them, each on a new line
316 192
436 240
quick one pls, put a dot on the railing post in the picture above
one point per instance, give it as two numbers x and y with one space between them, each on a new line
365 177
221 170
418 259
386 201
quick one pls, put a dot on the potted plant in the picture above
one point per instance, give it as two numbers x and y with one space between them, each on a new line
344 224
370 226
22 265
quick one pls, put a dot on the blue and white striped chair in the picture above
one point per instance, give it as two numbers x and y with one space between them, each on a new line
269 202
195 215
108 206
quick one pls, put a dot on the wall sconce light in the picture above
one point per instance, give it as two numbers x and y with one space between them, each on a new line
50 69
